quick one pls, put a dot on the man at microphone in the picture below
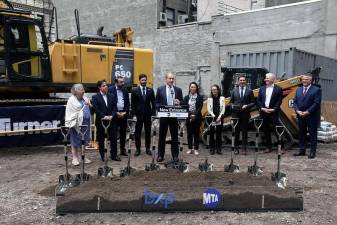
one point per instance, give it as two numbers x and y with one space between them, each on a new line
168 94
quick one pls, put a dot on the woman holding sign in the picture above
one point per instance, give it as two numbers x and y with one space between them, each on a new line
216 109
194 101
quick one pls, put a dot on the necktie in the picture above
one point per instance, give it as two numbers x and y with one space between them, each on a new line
241 92
305 90
144 94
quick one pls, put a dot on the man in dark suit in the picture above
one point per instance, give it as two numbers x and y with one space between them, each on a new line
143 107
123 105
307 106
168 94
104 105
269 101
242 100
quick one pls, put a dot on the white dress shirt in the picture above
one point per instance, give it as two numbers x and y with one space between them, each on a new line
169 96
269 92
243 92
105 98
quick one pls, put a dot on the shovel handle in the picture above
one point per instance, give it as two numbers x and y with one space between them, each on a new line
234 122
258 123
65 132
83 129
105 124
280 131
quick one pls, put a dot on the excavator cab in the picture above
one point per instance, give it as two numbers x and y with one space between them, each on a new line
24 55
254 77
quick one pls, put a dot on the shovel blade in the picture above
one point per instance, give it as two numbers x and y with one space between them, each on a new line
231 168
255 170
105 172
151 167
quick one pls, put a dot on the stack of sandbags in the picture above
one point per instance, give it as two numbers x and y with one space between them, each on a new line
327 132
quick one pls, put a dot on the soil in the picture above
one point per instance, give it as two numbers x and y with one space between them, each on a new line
239 192
28 177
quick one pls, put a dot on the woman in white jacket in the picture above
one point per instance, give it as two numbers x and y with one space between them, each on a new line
216 109
78 113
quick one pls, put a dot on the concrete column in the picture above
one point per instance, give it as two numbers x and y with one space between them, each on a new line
215 63
331 28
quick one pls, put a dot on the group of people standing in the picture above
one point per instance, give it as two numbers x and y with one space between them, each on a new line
113 103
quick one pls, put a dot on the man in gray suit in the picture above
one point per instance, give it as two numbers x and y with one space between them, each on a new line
242 100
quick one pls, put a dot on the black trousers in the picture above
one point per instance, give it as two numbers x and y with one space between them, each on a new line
193 132
164 124
307 124
120 123
100 136
138 131
217 142
243 128
268 127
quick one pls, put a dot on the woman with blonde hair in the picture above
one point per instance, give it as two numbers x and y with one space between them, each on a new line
77 114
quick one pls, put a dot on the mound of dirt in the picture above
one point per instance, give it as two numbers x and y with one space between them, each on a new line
170 190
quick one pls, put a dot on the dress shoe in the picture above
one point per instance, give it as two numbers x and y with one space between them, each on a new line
175 159
212 151
300 153
218 151
160 159
137 153
268 150
148 152
189 151
87 161
116 158
196 152
75 162
123 153
236 152
312 155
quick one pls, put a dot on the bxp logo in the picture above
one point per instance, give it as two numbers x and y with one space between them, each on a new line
211 198
151 198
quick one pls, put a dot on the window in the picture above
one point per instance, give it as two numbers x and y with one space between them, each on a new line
170 14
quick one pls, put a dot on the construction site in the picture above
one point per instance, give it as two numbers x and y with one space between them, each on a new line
246 88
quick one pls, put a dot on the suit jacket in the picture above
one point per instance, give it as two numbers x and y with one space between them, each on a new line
101 109
198 105
142 108
161 95
310 102
275 100
248 99
113 90
222 107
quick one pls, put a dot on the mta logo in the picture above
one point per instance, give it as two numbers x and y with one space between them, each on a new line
211 198
151 198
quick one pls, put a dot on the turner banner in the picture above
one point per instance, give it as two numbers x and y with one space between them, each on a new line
29 118
123 66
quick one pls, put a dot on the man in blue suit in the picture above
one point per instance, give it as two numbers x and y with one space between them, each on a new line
123 105
269 101
307 106
104 105
168 94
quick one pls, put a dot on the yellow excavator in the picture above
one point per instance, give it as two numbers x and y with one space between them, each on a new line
32 68
255 79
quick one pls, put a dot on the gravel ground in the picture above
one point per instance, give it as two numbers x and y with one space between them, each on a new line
26 175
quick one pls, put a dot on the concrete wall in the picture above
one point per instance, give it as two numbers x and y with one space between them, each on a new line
270 3
141 15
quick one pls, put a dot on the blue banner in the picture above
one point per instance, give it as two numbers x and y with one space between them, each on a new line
29 118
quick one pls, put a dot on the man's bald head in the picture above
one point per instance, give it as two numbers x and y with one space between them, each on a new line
270 78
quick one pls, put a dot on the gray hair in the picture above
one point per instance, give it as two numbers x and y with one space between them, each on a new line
271 75
76 88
